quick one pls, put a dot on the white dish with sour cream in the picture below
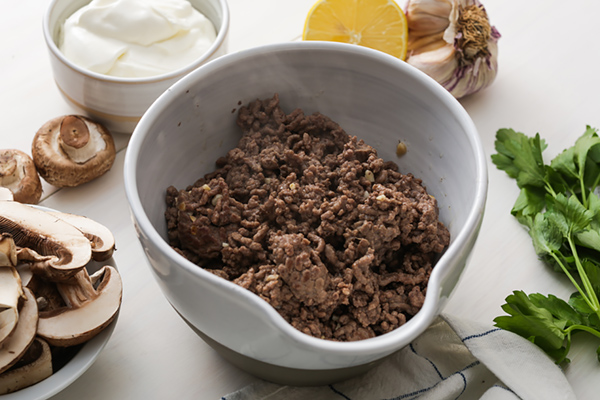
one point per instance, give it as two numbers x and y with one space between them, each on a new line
119 102
136 38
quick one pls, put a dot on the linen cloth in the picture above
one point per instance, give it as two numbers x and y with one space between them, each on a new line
453 359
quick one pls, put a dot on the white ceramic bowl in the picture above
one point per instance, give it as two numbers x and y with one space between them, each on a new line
81 361
115 101
371 95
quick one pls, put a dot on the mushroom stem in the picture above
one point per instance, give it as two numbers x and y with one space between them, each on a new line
75 139
74 132
78 290
88 311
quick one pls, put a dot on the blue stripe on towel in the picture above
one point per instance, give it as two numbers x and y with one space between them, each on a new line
464 385
428 360
339 393
505 388
473 364
407 396
480 334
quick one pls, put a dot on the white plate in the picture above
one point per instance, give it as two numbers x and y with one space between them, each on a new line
72 370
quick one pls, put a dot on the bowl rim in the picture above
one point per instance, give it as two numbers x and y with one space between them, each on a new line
214 47
391 340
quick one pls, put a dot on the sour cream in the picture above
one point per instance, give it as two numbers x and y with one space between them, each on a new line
136 38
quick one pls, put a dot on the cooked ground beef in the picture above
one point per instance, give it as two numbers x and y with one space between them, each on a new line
309 218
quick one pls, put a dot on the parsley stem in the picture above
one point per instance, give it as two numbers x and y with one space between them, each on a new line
583 276
582 328
584 198
550 190
595 184
574 282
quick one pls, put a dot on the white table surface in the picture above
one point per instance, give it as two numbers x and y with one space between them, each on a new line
548 82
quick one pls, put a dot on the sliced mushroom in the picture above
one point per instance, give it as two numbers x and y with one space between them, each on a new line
88 309
17 343
8 250
19 175
71 150
33 367
54 248
101 238
11 291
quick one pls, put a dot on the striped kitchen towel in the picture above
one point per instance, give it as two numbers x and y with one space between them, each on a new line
452 359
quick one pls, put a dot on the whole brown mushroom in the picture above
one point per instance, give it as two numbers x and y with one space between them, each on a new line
19 175
71 150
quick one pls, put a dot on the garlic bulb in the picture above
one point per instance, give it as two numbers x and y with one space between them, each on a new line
453 42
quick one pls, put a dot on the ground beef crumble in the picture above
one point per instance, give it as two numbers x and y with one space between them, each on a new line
309 218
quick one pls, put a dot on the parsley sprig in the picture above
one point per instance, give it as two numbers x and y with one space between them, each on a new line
559 205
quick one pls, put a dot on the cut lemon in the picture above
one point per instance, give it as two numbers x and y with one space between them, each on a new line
378 24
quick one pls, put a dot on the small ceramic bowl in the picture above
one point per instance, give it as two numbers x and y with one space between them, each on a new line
115 101
371 95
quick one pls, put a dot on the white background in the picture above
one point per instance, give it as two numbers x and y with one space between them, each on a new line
548 82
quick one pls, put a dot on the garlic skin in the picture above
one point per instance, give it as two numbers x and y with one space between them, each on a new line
453 42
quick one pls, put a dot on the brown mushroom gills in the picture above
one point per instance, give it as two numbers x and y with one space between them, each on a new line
53 247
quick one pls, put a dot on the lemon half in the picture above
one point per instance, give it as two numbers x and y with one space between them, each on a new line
378 24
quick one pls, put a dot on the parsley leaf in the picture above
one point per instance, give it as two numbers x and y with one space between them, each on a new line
520 157
559 207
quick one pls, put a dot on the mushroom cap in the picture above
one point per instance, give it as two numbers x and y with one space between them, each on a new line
101 238
30 373
70 326
54 247
63 163
17 343
19 174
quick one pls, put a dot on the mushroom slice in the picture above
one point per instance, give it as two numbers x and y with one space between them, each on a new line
19 175
10 293
88 311
17 343
8 251
71 150
101 238
55 249
34 366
